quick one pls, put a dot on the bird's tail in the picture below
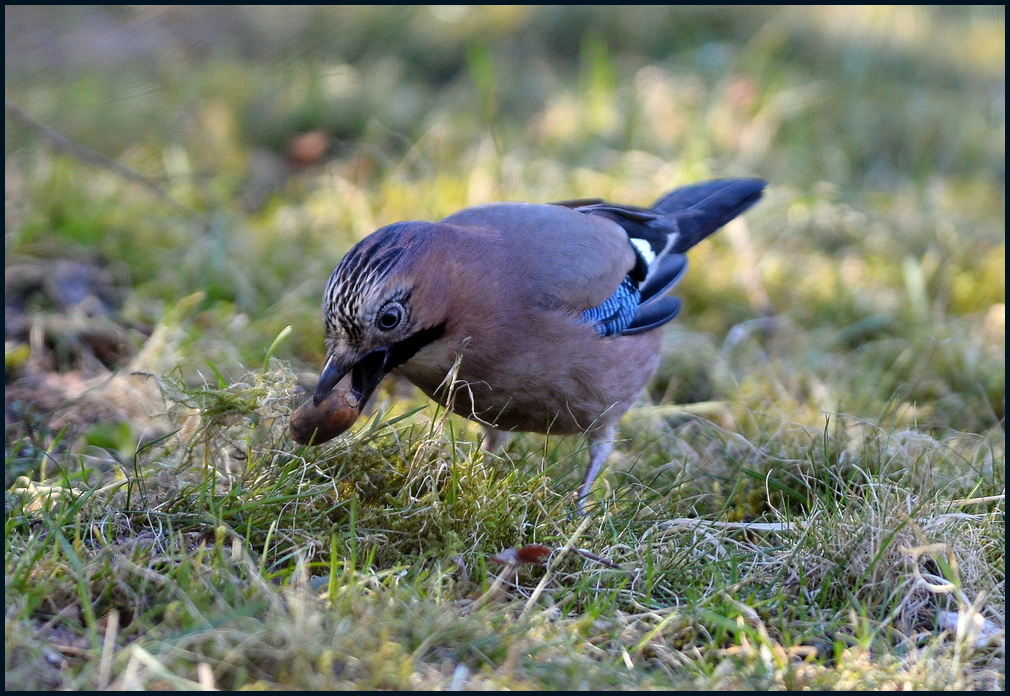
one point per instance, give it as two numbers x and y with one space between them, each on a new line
701 209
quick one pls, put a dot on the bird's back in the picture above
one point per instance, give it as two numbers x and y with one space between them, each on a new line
560 257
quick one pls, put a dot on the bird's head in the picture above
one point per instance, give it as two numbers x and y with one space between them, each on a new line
374 321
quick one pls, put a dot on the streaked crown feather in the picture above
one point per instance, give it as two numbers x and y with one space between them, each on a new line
360 279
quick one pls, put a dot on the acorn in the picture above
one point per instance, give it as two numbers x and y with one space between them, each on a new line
317 424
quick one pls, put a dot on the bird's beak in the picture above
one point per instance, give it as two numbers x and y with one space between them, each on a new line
366 374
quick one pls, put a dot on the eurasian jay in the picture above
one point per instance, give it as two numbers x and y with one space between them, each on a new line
522 316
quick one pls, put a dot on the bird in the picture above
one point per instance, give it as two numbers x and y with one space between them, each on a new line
535 317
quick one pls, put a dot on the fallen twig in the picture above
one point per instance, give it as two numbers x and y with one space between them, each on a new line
68 147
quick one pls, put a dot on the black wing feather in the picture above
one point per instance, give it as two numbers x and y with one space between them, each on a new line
663 275
656 313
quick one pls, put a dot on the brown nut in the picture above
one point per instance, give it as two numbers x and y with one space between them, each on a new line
317 424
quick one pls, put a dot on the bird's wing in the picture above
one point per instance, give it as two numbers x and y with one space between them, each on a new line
661 235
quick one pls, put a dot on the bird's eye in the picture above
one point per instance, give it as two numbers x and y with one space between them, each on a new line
390 317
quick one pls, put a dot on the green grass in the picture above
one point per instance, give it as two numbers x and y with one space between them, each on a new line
809 488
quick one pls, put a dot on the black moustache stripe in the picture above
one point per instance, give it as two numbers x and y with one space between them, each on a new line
402 351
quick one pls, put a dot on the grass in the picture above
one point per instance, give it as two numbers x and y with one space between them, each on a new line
809 495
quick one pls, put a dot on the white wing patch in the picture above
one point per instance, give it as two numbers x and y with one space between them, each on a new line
644 250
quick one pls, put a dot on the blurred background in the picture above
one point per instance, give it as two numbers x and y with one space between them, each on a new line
202 169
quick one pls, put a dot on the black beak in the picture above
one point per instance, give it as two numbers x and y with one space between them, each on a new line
365 377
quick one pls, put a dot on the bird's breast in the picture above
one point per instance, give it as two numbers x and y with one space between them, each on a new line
556 376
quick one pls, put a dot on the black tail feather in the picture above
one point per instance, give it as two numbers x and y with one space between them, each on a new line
699 210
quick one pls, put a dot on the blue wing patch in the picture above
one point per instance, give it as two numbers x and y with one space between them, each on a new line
617 312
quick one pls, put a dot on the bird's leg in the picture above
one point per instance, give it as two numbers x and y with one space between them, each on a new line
494 440
601 442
